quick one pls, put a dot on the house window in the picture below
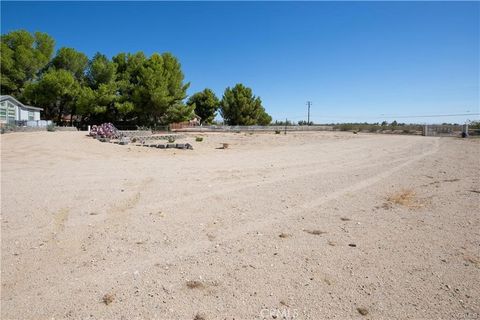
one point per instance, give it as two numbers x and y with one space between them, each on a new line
3 111
31 115
10 112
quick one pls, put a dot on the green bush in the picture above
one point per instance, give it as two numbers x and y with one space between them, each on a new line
277 131
171 139
348 127
51 128
199 139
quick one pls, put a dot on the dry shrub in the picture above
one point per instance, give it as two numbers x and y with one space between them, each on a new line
284 235
405 197
194 284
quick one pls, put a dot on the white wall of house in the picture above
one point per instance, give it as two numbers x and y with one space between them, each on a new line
28 114
10 112
22 114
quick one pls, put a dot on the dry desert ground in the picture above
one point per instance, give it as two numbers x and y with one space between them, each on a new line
297 226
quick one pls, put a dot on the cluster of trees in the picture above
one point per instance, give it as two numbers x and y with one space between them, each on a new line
475 125
305 123
238 106
129 88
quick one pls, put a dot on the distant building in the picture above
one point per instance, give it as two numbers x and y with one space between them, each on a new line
194 122
13 111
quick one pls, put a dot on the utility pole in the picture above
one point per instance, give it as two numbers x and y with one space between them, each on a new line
286 120
309 103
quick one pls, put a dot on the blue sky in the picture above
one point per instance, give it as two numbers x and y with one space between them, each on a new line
356 61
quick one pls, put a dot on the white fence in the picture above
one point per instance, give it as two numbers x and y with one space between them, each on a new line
443 130
254 128
33 123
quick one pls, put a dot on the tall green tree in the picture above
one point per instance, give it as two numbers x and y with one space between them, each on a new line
100 71
110 102
263 119
56 91
240 107
128 70
206 105
72 60
23 55
75 62
129 66
86 103
160 91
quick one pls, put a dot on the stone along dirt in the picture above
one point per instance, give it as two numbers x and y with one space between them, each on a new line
303 226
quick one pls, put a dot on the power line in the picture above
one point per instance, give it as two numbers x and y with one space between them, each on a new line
392 116
435 115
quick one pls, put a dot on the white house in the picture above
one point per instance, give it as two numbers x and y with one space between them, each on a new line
12 111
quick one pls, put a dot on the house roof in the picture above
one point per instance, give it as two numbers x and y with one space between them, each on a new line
18 103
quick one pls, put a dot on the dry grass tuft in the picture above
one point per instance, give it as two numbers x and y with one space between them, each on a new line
194 284
345 219
284 235
405 197
108 298
315 232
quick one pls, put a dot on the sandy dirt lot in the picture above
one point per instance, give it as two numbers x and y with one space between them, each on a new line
302 226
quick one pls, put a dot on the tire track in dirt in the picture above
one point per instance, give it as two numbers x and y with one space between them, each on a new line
119 211
190 249
236 186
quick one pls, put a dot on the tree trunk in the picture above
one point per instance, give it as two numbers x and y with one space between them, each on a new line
74 112
60 112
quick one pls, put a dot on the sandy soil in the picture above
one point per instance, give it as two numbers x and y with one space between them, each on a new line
302 226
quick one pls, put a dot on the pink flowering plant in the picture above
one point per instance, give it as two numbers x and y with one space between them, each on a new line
105 130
